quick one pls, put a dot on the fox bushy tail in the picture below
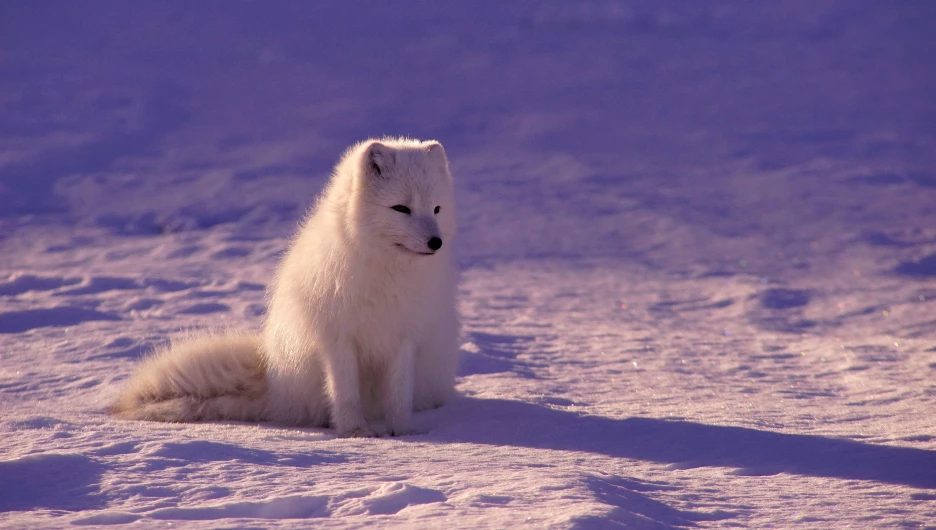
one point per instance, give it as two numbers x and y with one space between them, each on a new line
210 377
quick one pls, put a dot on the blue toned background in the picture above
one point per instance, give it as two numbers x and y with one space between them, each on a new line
697 250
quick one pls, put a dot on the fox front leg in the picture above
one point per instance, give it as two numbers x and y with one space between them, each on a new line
344 391
397 391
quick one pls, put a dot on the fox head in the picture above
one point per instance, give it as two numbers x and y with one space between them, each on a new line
405 196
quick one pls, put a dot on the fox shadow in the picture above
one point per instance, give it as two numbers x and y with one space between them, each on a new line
686 444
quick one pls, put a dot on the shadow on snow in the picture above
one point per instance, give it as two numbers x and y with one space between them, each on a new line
686 444
631 508
53 481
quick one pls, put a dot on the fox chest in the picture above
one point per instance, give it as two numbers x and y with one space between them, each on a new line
384 322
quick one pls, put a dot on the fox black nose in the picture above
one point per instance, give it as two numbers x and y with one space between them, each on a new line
435 243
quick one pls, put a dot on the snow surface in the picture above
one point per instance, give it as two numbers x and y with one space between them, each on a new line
698 251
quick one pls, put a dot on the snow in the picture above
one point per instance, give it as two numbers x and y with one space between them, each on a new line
697 244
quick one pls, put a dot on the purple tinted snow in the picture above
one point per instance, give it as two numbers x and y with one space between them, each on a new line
62 316
689 444
202 451
51 481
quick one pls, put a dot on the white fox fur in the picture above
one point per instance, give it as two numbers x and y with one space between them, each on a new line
361 323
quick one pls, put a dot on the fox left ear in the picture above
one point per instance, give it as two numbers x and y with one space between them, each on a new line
378 159
436 152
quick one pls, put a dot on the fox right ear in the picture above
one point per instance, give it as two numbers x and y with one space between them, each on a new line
378 158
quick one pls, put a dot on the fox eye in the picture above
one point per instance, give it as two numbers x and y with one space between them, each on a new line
437 208
402 209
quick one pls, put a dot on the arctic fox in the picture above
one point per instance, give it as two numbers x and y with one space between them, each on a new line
361 323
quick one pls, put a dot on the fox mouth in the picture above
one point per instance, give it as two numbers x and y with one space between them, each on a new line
411 251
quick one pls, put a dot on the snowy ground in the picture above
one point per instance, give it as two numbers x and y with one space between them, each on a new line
698 250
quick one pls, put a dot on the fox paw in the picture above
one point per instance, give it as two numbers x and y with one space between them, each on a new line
400 432
358 432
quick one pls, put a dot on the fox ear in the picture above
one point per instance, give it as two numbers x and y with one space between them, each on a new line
378 159
436 152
